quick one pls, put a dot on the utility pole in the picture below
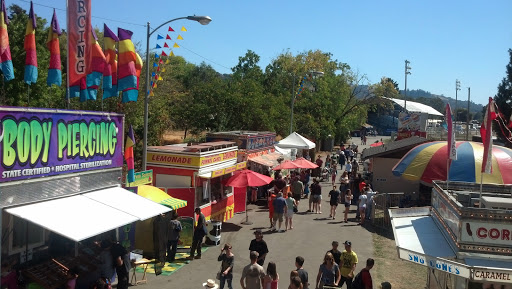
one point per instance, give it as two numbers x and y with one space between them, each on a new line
407 71
457 88
467 124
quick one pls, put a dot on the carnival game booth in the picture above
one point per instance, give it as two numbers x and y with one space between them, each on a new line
60 189
195 173
464 238
253 146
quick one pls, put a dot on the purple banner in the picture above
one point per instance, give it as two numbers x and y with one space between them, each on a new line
44 142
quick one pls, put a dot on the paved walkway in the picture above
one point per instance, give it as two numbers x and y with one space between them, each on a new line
311 237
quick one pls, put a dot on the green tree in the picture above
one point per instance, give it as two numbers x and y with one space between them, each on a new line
504 96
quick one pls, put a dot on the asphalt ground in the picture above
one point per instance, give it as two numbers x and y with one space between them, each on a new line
310 238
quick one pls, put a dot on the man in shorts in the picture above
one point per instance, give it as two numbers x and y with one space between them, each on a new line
297 189
279 208
348 265
252 274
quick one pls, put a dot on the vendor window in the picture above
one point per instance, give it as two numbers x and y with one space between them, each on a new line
18 231
202 192
219 191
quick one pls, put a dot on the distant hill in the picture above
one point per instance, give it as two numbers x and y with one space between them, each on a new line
462 102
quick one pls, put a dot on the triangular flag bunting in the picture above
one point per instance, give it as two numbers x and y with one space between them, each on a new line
156 77
159 37
155 64
151 83
163 69
167 60
176 45
156 55
171 54
158 68
160 78
183 28
165 45
151 93
161 61
170 29
168 37
153 74
180 38
154 84
158 46
163 54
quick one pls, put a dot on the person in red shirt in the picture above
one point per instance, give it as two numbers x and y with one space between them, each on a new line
365 273
271 209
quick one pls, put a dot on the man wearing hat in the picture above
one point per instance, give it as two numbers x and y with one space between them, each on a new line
385 285
210 284
259 245
348 265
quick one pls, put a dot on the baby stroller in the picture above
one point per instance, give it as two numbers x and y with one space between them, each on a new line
326 174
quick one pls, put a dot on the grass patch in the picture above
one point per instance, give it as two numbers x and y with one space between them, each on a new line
388 267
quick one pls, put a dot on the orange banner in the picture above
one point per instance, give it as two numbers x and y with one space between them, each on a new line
79 39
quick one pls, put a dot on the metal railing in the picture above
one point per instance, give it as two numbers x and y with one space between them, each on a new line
381 203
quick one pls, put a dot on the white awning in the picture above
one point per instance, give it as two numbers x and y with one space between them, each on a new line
128 202
76 217
207 172
295 141
420 241
490 270
413 106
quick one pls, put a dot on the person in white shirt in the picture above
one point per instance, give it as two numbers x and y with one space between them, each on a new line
348 169
369 201
362 206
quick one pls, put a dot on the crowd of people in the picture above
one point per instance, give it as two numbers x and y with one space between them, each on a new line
337 269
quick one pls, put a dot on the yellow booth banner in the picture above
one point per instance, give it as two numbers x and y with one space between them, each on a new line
229 170
223 210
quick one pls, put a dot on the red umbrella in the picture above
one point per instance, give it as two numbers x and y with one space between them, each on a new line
376 144
245 178
286 165
305 164
248 178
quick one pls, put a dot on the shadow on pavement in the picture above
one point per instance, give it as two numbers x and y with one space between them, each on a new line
230 227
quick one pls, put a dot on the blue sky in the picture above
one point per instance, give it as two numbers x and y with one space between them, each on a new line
443 40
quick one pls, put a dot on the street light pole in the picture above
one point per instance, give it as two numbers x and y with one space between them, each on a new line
457 88
407 68
204 20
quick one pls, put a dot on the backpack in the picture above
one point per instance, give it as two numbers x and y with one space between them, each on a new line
357 283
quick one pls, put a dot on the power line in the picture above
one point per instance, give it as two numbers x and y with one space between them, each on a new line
205 58
102 18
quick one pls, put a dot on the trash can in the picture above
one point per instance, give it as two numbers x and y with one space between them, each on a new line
213 233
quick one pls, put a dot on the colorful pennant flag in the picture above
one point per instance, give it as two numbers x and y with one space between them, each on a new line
160 78
158 46
127 73
486 133
176 45
168 37
155 64
170 29
171 54
183 28
5 49
163 54
54 72
159 37
161 61
452 150
163 69
110 75
30 48
129 157
97 67
179 37
165 45
156 55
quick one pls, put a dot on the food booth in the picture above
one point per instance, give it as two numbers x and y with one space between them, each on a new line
464 238
253 147
195 173
60 189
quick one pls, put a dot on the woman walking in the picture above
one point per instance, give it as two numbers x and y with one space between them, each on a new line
334 172
362 206
328 273
226 267
272 278
290 204
348 200
334 199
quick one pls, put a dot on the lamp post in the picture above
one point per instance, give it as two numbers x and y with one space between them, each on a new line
313 74
467 124
457 88
204 20
407 68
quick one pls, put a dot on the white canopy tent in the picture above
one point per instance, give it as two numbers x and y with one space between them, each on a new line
296 141
413 106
